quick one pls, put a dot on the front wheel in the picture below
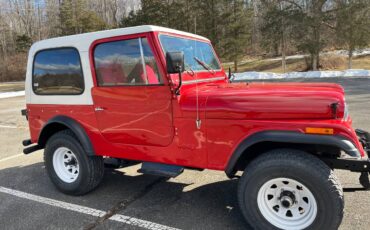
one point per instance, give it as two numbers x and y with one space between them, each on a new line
290 189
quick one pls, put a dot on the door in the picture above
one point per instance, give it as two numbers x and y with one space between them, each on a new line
132 105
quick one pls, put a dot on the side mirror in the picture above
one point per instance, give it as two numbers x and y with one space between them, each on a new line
175 64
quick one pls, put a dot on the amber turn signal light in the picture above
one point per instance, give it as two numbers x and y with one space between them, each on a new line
326 131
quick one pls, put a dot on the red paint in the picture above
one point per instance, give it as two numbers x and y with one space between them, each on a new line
138 115
150 123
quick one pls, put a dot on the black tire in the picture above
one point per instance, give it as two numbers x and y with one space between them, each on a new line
91 169
302 167
364 180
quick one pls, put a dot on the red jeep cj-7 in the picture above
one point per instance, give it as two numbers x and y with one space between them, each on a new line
161 97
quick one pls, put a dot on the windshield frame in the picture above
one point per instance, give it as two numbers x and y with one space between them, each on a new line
194 39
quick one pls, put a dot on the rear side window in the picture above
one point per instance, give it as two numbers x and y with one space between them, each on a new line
57 72
126 62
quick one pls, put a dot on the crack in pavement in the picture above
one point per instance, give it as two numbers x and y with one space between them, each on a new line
123 204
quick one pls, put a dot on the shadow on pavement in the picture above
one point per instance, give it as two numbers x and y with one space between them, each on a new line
210 206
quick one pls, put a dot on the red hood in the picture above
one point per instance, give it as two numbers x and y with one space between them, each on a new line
265 100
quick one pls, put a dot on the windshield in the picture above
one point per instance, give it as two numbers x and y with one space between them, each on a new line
192 49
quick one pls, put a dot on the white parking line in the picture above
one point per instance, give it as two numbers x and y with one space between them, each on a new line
12 94
11 157
85 210
8 126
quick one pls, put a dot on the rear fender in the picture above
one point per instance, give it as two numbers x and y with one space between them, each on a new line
59 123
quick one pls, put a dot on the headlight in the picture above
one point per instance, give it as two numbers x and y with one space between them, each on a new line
346 112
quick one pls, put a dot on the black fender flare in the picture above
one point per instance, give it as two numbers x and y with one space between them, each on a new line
290 137
71 124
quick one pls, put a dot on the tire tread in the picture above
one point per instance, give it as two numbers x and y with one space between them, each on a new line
303 159
95 164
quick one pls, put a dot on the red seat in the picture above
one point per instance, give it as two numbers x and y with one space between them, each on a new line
152 77
111 74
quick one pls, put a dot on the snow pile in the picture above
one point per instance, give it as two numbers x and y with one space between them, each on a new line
297 56
310 74
356 53
12 94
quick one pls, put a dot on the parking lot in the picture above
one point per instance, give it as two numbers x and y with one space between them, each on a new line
129 200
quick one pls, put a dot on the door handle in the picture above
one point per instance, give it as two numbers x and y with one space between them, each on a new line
98 109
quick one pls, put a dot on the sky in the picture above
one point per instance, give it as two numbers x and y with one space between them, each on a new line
40 2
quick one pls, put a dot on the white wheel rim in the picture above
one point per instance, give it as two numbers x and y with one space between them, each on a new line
287 204
66 165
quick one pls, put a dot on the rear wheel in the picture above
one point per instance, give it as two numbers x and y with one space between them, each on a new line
290 189
66 165
70 169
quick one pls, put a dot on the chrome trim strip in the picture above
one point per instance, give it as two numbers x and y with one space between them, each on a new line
203 80
143 60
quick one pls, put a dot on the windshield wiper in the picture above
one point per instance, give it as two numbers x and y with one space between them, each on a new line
189 70
204 65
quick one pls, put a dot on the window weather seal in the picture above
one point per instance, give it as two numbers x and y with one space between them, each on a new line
143 60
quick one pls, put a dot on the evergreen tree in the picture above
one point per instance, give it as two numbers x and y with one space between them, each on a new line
276 29
23 43
152 12
75 18
238 17
311 21
225 23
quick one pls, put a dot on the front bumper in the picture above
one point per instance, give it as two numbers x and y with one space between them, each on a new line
354 165
364 138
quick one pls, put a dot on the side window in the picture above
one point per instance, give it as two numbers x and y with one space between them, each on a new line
126 62
151 67
57 72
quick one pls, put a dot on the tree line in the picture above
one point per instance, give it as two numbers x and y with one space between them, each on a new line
236 27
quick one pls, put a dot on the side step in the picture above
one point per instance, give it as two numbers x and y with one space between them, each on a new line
116 163
158 169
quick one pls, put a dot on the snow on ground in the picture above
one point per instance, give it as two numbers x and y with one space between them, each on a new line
356 53
297 56
310 74
12 94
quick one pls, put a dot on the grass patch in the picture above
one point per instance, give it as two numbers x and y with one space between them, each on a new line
361 63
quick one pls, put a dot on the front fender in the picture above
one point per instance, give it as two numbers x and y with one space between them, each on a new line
290 137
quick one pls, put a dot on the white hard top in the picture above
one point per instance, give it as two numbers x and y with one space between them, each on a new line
83 41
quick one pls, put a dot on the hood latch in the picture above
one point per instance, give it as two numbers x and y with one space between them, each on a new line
334 109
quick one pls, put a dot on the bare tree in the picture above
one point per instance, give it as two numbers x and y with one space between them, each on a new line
24 10
353 25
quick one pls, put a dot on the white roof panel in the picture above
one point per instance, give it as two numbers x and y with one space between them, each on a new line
83 41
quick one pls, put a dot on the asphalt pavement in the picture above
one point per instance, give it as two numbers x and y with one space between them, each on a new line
129 200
